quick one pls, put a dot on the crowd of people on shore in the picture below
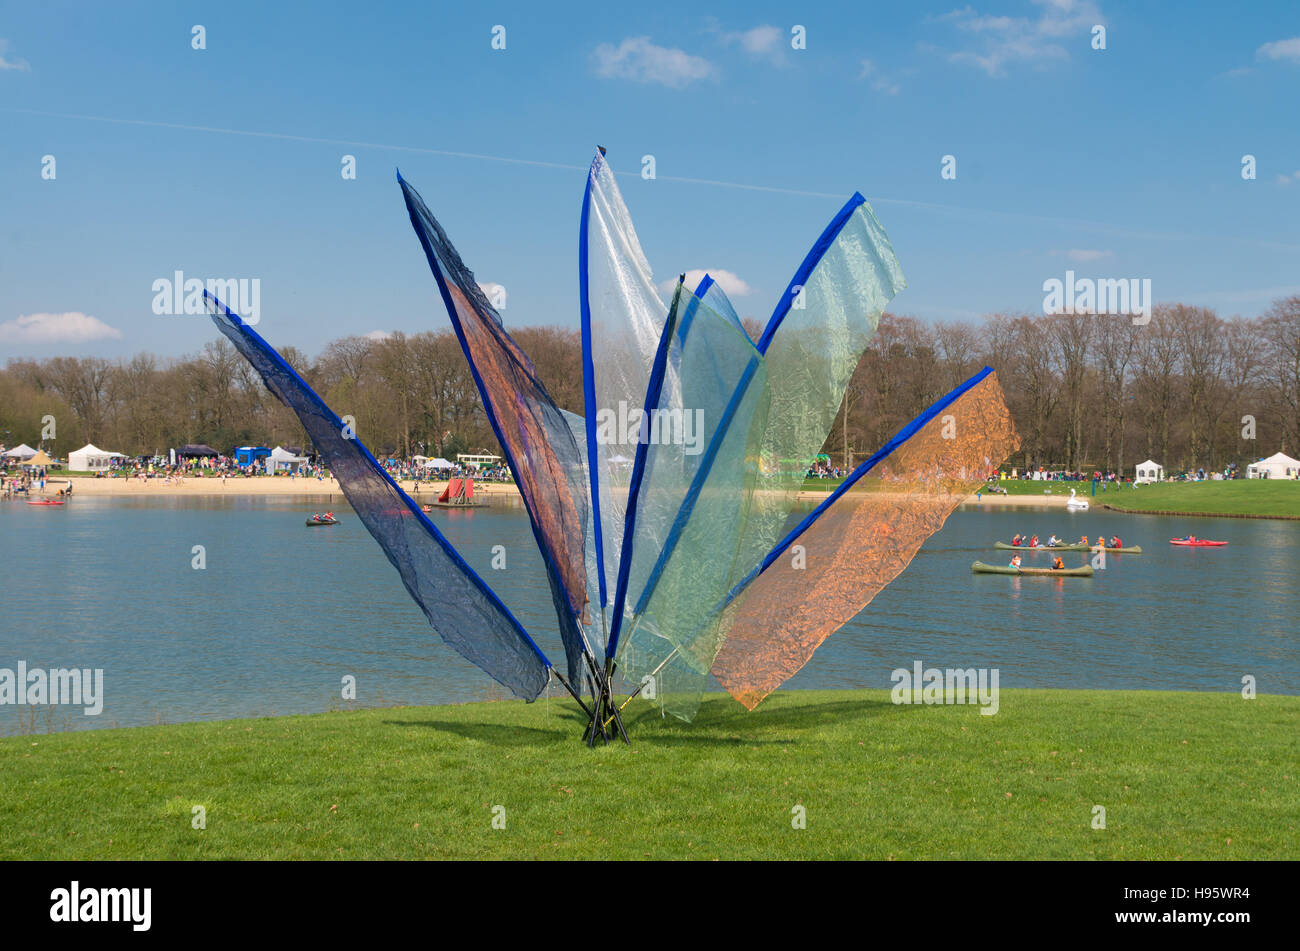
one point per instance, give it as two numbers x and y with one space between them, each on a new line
403 470
824 470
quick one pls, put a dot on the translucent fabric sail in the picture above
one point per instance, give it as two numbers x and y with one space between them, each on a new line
591 623
810 348
460 606
817 334
851 548
538 444
693 501
622 320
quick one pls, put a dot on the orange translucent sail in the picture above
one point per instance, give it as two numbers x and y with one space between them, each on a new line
829 573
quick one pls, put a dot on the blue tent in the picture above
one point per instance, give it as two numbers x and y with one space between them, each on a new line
249 455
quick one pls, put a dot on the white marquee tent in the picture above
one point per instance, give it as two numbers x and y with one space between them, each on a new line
19 452
90 458
283 459
1149 471
1277 466
439 463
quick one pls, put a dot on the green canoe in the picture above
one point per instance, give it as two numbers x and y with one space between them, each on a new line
1003 546
982 569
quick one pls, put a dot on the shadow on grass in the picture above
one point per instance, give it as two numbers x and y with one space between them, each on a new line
503 734
744 728
720 722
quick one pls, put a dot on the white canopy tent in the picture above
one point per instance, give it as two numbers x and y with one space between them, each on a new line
19 452
1277 466
283 459
1149 471
90 458
439 463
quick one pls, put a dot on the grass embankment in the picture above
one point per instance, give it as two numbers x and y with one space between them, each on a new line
1180 775
1263 498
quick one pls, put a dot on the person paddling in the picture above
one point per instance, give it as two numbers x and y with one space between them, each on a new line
1033 542
1053 541
1015 561
1057 564
1116 542
1015 542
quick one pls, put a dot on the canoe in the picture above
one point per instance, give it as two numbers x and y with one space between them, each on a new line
1131 550
1199 543
1003 546
314 522
982 569
44 501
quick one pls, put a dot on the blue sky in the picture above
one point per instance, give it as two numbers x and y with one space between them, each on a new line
1119 163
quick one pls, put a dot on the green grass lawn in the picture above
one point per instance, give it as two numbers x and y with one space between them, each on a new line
1268 497
1181 775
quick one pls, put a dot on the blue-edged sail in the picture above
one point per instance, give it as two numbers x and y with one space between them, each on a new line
622 320
693 481
460 606
538 444
861 538
809 349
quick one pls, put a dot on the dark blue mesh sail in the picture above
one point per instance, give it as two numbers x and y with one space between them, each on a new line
534 435
458 603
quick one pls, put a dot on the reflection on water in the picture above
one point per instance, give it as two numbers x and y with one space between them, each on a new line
282 612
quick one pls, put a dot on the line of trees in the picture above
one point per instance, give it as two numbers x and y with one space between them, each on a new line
1189 388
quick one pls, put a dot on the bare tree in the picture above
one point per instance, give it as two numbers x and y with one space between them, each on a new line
1116 343
1201 357
1157 379
1072 335
1281 327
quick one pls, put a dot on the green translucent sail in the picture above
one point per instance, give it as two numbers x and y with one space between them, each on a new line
783 411
690 510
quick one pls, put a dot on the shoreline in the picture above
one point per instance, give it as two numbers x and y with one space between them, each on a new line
281 487
263 486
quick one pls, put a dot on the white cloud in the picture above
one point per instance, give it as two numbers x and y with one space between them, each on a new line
640 60
1003 40
495 293
1292 179
879 81
731 284
72 327
767 42
12 63
1281 49
379 335
1087 254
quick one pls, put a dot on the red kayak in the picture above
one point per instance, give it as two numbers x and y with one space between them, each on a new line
1199 543
44 502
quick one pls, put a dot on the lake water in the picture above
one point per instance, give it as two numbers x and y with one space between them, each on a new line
282 612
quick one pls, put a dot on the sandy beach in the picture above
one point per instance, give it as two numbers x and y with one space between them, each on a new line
280 486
